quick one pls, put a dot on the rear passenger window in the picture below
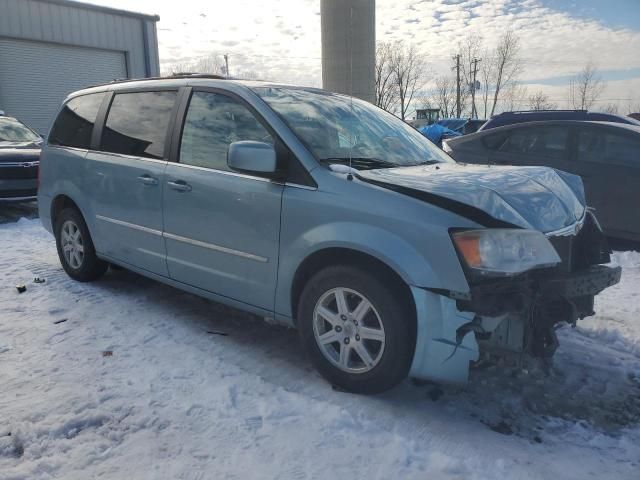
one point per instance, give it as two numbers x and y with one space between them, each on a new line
74 125
137 123
548 142
213 122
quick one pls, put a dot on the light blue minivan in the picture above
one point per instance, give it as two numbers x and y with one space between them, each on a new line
324 213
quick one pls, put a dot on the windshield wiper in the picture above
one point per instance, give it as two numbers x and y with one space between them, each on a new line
360 163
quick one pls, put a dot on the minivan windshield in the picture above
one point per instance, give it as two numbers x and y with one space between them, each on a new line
13 131
339 129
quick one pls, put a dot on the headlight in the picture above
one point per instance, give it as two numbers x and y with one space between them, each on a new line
505 251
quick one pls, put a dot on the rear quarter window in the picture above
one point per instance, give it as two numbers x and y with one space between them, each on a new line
137 123
609 147
74 125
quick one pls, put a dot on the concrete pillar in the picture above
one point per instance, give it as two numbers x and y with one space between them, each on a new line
349 47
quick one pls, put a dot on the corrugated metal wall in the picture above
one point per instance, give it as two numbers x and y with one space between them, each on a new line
74 25
33 94
49 48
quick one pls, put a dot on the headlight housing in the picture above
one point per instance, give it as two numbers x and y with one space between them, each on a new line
504 251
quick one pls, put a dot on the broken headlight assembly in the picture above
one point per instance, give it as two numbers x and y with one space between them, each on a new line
504 251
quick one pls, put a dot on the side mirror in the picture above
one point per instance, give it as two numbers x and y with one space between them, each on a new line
252 157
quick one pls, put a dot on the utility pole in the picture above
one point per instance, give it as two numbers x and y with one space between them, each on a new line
226 63
457 68
474 113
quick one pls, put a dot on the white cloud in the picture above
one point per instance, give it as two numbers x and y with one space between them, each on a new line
281 38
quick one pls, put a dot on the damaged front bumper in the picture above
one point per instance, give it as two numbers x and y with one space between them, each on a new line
517 314
507 316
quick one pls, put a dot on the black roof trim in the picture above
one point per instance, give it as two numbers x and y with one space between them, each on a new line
100 8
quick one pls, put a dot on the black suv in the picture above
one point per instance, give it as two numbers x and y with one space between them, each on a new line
19 160
509 118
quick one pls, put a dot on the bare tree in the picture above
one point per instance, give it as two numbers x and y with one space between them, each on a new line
487 69
211 63
633 107
444 96
386 88
586 87
610 108
540 101
409 73
514 96
507 65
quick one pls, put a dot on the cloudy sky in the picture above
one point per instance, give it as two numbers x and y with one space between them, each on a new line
280 39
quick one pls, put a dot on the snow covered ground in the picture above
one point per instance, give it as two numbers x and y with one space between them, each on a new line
194 390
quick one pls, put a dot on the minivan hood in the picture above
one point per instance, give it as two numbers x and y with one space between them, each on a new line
539 198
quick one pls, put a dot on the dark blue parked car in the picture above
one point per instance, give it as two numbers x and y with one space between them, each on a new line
509 118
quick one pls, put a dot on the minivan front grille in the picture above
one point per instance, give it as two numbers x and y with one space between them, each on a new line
588 247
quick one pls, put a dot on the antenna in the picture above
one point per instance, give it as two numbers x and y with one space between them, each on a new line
351 139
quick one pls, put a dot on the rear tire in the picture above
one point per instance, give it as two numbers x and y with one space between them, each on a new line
364 343
75 247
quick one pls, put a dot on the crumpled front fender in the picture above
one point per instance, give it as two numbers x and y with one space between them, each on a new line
438 356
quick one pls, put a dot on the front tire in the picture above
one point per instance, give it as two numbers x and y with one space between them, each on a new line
358 331
75 247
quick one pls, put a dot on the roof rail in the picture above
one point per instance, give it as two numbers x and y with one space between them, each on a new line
198 75
550 110
168 77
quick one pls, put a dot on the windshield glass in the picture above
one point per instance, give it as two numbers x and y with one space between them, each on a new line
13 131
336 128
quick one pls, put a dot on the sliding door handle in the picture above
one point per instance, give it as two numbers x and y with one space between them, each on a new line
148 179
180 186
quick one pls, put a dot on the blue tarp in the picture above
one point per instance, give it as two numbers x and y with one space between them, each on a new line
456 124
436 133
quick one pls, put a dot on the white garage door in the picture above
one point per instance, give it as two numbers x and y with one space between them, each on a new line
35 77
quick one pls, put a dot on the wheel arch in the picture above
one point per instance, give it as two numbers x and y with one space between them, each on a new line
59 203
64 200
331 256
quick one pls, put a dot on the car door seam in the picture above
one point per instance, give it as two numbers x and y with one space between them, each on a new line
198 243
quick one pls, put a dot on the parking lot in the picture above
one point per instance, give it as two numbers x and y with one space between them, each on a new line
129 378
319 239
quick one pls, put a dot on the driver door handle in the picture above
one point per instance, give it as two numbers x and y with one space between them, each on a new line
180 186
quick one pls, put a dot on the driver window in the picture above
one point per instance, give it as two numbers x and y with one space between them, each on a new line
213 122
